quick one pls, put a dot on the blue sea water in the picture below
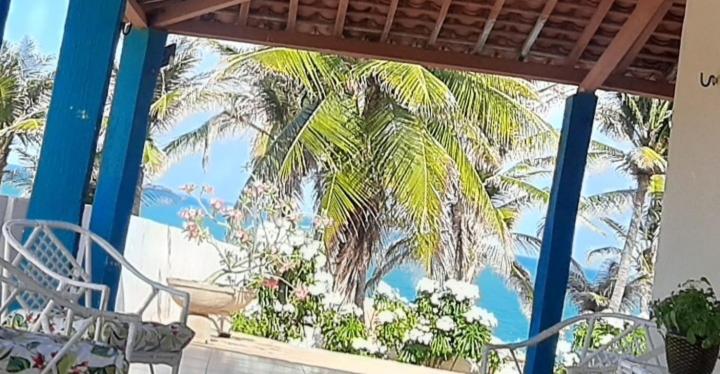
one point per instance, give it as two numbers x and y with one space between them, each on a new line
495 296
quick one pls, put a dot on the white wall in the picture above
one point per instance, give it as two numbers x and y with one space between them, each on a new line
690 237
156 250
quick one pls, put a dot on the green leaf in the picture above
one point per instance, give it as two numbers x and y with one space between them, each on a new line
18 364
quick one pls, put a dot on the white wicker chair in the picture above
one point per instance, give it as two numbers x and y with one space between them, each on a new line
75 338
36 245
602 360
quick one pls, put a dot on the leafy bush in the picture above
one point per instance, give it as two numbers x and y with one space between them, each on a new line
692 312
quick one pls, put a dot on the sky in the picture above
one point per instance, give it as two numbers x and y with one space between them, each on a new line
42 21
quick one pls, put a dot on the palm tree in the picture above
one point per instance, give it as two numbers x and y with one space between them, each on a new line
644 123
25 86
384 143
181 89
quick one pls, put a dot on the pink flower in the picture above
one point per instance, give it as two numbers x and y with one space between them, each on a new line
271 283
217 204
210 190
302 293
39 361
188 188
323 222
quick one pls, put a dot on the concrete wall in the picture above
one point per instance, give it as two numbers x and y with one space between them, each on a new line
156 250
690 237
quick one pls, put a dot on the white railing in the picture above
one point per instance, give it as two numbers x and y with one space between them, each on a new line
591 360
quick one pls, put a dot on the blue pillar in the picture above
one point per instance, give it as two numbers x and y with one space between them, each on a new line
76 109
4 9
554 264
140 63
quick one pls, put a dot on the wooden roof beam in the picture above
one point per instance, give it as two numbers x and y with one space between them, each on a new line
644 36
589 32
535 32
625 38
489 24
439 22
389 20
135 14
190 9
340 17
292 15
243 14
432 58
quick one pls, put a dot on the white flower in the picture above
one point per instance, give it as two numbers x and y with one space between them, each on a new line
426 285
317 289
436 299
617 323
277 307
400 314
252 309
386 317
462 291
285 248
419 336
369 346
323 277
347 309
332 300
288 308
320 260
477 314
384 289
311 249
605 339
445 323
296 238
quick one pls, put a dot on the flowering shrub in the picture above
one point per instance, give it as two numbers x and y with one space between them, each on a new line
442 324
263 229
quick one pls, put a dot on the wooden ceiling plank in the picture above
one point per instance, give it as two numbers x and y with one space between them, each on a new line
432 58
652 25
535 32
389 20
340 17
489 24
243 14
292 15
135 14
589 32
621 44
439 22
190 9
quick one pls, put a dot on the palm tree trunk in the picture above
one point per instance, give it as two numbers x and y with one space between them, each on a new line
5 143
137 203
623 274
353 255
456 212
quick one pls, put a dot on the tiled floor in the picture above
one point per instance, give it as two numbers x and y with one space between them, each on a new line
200 360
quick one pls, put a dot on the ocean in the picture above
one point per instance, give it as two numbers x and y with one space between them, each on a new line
495 296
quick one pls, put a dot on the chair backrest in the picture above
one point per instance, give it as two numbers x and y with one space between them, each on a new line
591 358
42 249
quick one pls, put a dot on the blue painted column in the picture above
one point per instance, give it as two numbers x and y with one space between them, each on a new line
554 264
140 63
4 9
76 109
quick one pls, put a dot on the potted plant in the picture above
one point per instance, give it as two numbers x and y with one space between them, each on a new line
690 318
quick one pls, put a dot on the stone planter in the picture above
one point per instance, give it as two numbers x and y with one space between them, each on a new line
210 300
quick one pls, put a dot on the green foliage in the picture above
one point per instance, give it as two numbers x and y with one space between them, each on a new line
603 332
692 312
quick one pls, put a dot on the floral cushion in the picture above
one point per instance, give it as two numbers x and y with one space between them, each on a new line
150 337
28 353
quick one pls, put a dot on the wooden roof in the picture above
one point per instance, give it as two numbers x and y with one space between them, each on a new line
624 45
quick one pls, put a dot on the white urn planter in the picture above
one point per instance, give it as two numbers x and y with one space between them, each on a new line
211 300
